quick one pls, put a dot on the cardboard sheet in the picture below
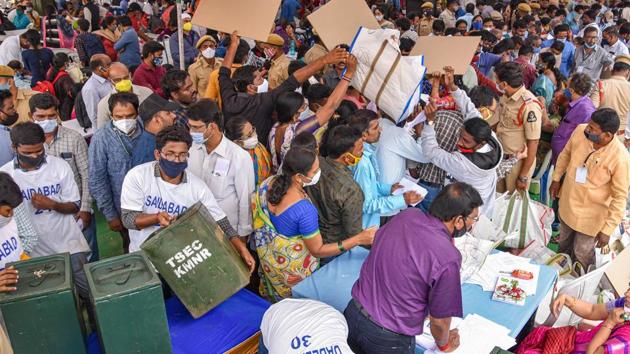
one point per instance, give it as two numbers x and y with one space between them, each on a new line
251 18
618 272
338 21
446 51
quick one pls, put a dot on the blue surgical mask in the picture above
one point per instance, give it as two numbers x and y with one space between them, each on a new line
477 26
589 46
567 94
198 138
172 168
5 86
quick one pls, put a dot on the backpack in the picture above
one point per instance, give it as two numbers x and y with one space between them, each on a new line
47 86
81 112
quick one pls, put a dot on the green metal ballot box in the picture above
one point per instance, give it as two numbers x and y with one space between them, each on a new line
42 315
197 260
127 297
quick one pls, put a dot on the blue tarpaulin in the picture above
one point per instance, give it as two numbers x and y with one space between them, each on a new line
218 331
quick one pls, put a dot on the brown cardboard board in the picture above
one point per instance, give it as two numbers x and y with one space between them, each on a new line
338 21
446 51
251 18
618 272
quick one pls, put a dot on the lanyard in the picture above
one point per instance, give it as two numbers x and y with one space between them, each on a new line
120 140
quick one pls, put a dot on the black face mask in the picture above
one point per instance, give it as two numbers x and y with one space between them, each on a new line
32 162
461 232
10 119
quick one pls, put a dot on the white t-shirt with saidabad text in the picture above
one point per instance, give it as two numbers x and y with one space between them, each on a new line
58 233
144 192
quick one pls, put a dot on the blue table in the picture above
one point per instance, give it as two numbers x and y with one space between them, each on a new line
332 284
221 329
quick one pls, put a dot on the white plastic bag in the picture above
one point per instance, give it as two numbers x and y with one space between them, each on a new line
531 220
383 75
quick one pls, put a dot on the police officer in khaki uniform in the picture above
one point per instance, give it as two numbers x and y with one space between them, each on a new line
279 70
425 27
615 93
518 121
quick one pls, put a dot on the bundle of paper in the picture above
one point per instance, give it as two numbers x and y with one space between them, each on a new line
476 335
503 263
474 252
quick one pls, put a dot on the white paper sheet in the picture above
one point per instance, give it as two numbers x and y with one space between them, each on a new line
487 276
477 335
410 185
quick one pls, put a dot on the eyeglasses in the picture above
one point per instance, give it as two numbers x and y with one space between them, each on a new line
172 156
475 219
250 134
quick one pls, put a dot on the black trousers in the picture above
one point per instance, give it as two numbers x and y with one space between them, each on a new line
367 337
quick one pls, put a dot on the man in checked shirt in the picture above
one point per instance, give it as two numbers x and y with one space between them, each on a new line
72 148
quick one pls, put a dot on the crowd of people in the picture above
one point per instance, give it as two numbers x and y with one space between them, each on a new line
296 166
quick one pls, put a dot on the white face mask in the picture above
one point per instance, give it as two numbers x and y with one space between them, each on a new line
208 53
250 142
379 18
4 220
264 87
314 179
48 125
125 125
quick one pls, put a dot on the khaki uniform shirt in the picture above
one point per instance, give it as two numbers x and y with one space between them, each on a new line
449 18
316 52
425 27
199 72
514 134
598 204
279 71
613 93
21 104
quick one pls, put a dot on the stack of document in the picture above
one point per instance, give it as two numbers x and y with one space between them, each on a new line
504 263
476 335
474 252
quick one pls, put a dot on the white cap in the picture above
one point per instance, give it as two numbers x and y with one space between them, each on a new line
186 16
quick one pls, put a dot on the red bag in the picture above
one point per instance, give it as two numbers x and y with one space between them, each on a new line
47 86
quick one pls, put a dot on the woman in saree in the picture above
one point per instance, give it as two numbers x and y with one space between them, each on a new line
611 336
549 78
286 229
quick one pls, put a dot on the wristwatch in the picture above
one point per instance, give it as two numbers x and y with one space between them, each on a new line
523 179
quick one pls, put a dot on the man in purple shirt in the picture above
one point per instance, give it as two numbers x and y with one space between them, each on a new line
413 271
579 112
